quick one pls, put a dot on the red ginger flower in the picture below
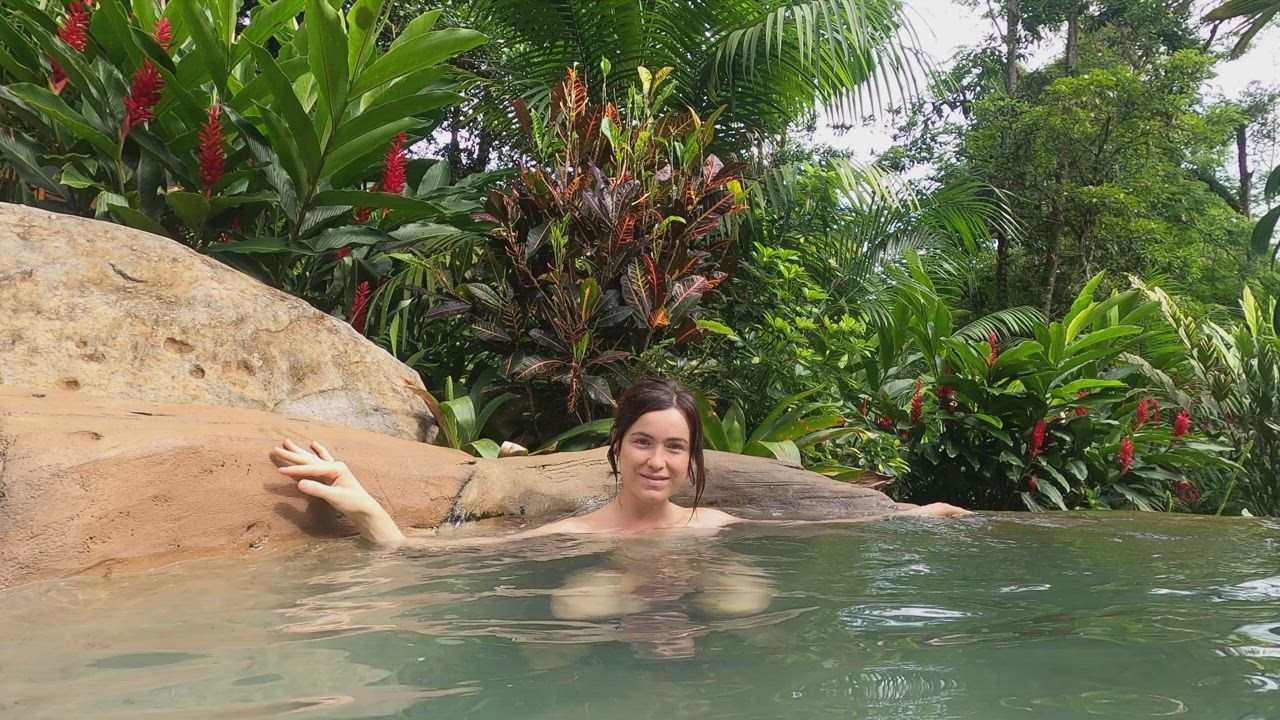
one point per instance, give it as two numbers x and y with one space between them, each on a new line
917 403
1182 423
393 166
1082 411
212 155
1037 438
1187 491
863 409
144 93
945 392
1141 416
360 307
362 215
995 350
164 33
885 423
74 31
342 253
1126 454
1032 485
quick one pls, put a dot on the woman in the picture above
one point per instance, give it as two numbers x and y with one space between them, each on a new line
654 448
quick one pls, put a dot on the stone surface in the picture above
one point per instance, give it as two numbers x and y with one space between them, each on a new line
91 482
104 309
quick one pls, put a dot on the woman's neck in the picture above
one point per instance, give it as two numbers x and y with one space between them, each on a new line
633 515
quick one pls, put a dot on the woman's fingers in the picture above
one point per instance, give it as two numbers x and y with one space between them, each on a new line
321 451
322 470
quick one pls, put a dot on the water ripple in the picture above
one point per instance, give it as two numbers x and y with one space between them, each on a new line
910 616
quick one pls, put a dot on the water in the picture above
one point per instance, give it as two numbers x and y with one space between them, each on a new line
1062 616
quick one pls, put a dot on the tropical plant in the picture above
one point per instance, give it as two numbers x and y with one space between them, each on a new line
1264 231
771 63
1253 15
1040 422
245 135
606 243
1231 377
463 414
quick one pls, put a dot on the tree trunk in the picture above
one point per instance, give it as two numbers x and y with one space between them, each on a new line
1242 161
1013 18
1055 238
1073 43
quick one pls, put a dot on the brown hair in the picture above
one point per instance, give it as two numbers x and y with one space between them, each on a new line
647 395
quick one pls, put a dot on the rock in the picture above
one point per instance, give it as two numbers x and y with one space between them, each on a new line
104 309
88 481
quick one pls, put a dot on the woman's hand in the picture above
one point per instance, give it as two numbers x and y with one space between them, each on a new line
942 510
320 475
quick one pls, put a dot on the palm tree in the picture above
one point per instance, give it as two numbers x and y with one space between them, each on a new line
768 63
1256 14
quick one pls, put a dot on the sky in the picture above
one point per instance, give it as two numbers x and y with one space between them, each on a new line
944 27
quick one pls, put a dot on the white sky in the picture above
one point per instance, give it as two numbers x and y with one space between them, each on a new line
944 27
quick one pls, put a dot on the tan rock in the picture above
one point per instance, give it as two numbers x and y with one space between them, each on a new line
108 310
88 481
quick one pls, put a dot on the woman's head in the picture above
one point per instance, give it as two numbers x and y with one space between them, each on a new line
656 436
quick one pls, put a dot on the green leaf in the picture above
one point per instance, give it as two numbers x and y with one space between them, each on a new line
21 154
1100 336
259 245
208 47
137 220
363 198
347 235
784 450
376 119
265 23
595 427
420 25
327 56
287 151
45 101
717 328
414 54
1263 232
485 448
71 177
362 31
285 100
735 429
191 207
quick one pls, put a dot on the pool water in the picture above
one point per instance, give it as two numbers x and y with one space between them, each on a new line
1006 616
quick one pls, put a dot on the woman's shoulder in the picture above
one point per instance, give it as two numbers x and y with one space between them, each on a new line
711 518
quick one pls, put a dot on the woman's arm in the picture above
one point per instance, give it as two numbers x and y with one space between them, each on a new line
319 475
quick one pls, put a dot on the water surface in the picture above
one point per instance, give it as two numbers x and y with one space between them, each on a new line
1013 616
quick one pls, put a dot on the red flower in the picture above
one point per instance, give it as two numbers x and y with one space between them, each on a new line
342 253
917 403
1126 454
1037 438
1141 416
995 350
74 31
1032 485
362 215
1155 411
1182 423
212 155
360 307
945 392
863 409
1187 491
393 166
164 33
144 93
885 423
1081 411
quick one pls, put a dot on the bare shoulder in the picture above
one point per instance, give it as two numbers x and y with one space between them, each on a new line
711 518
568 526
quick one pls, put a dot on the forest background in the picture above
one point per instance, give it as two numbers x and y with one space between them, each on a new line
1056 289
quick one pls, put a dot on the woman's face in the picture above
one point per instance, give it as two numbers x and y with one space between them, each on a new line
654 457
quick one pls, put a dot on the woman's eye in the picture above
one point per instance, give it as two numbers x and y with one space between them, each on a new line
675 448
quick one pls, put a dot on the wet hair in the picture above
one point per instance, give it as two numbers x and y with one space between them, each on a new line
646 396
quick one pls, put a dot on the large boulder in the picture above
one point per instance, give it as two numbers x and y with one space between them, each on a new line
87 481
104 309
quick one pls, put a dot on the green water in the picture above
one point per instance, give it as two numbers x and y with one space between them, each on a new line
1062 616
